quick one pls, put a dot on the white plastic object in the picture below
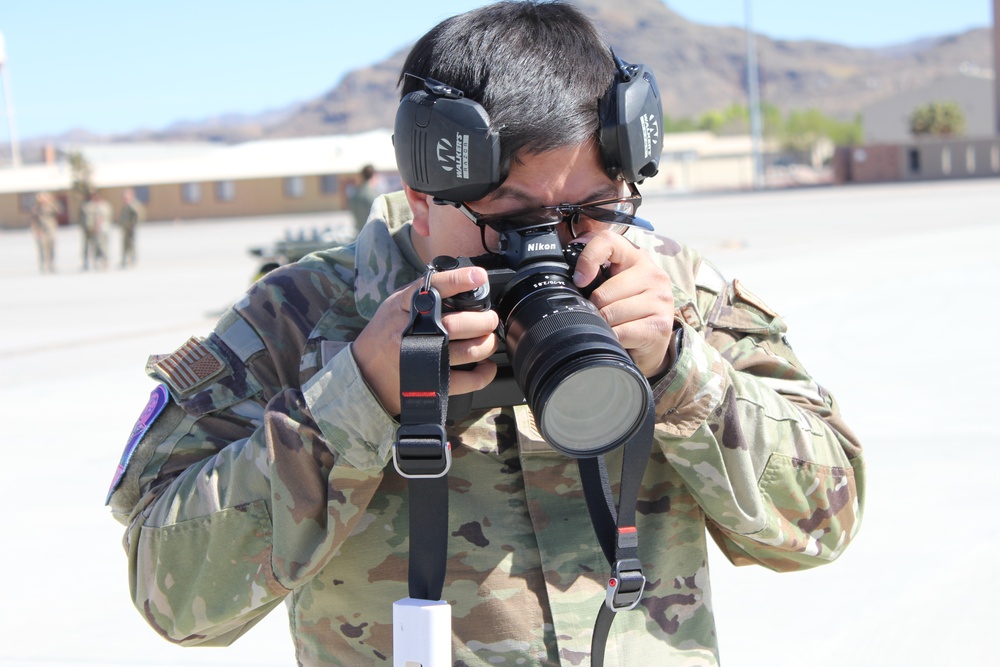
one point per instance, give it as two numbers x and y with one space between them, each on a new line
421 633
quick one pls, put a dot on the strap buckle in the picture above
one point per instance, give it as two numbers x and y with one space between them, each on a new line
425 310
421 451
625 586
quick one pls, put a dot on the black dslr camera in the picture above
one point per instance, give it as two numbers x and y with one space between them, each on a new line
559 355
556 353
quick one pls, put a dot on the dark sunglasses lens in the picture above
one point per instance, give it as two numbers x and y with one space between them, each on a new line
613 217
522 220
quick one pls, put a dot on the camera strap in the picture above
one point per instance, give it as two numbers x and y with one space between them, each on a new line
421 452
616 530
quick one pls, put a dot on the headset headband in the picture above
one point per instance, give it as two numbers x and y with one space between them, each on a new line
445 147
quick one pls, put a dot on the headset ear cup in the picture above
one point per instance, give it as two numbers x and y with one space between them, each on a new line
631 117
445 147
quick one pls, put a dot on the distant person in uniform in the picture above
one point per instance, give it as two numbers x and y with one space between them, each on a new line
132 214
95 218
363 197
44 222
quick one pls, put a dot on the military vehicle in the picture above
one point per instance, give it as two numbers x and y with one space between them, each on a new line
294 246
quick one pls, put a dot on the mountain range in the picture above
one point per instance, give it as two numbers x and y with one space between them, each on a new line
698 67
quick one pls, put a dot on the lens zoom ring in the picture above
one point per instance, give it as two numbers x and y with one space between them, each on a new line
590 325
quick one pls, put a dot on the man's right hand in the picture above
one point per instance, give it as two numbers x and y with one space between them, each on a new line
376 350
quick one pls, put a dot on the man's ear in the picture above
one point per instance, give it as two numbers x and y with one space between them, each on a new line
420 205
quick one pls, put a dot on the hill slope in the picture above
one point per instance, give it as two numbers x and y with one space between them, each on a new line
699 68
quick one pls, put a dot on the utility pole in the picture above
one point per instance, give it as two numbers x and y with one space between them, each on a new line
15 150
753 94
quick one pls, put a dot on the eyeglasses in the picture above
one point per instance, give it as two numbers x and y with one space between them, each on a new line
617 214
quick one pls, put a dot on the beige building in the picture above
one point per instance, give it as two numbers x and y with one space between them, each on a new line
179 181
700 161
924 159
203 180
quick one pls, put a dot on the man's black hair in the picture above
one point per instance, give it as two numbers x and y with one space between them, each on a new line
538 68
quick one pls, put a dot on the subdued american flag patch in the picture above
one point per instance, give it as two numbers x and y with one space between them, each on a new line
188 367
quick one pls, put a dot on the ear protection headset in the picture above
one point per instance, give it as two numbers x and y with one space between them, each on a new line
445 147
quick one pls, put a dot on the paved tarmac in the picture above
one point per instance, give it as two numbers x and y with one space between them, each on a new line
890 295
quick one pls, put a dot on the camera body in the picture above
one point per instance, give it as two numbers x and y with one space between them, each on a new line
551 337
530 261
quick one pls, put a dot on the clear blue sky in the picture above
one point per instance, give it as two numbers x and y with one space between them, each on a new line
115 66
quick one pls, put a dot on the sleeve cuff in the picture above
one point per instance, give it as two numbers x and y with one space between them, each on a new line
693 388
349 415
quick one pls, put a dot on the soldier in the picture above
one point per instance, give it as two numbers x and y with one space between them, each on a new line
258 472
44 222
132 213
363 196
95 219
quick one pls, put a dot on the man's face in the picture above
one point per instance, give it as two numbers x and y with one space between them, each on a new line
570 175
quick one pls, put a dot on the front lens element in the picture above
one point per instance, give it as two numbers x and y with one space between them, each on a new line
595 406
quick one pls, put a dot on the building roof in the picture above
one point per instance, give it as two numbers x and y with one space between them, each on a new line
888 120
119 165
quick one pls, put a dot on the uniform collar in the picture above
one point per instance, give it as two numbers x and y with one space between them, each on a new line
384 256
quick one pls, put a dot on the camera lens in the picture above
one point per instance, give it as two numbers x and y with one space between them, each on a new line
591 406
586 393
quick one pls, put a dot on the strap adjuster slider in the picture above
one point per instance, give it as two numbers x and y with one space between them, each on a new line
421 450
625 586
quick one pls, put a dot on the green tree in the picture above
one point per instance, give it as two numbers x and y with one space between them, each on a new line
800 130
803 128
735 119
937 119
676 125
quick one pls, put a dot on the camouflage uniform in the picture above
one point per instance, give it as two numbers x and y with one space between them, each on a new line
95 218
265 479
44 223
132 214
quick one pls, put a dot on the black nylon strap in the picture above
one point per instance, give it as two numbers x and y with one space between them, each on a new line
597 492
421 452
615 527
602 629
423 379
428 501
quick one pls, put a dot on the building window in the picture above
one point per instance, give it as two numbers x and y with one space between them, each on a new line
329 184
141 193
914 161
946 161
970 159
26 201
191 193
295 187
225 191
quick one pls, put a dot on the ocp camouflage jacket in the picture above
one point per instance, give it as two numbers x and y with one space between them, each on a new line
264 479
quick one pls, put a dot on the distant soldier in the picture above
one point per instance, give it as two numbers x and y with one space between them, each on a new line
95 218
363 196
132 213
44 222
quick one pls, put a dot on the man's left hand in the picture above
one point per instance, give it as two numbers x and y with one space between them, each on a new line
637 298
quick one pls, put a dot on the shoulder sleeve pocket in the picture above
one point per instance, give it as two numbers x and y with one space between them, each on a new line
204 375
738 309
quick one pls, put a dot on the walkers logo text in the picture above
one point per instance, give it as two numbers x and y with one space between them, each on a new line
454 157
650 133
